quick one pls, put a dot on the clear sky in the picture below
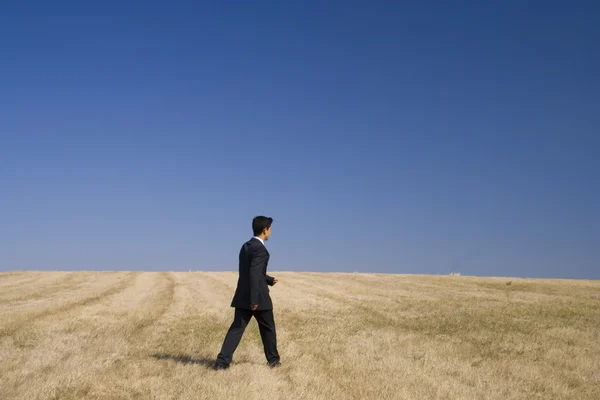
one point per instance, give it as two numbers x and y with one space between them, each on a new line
382 136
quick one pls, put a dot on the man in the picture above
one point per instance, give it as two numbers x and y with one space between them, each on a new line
252 298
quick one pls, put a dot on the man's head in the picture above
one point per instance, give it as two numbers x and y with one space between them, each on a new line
261 226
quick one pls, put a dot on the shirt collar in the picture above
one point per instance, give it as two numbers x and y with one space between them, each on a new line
262 241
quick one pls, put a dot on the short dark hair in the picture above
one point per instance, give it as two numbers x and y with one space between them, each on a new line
260 223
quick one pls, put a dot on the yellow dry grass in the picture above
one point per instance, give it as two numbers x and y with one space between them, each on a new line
142 335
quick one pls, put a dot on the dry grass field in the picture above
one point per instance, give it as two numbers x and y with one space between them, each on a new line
142 335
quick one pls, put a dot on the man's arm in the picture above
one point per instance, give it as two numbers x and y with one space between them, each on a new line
257 263
270 280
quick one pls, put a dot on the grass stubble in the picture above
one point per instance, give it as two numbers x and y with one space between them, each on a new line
154 335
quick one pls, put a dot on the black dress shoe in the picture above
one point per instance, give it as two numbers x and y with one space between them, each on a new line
275 364
218 367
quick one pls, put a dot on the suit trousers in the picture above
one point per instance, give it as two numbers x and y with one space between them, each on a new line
266 326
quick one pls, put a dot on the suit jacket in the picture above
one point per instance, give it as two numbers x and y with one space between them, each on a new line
253 279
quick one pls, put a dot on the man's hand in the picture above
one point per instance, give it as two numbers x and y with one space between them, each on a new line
253 307
275 280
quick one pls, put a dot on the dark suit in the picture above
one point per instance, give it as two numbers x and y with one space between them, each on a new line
253 279
252 289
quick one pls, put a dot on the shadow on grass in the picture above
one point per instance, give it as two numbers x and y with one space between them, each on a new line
206 362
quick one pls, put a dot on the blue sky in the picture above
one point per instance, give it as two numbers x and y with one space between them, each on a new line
381 136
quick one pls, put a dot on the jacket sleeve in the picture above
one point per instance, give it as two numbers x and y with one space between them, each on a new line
270 280
258 259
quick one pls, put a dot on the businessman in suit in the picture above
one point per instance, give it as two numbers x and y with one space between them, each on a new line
252 297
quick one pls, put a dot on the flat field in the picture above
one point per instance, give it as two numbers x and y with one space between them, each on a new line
154 335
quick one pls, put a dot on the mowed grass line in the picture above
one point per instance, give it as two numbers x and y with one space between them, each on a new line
111 325
19 322
316 342
492 333
174 352
21 288
159 308
307 370
177 348
11 280
440 327
341 336
179 352
67 282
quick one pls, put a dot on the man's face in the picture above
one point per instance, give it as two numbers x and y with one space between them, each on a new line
267 233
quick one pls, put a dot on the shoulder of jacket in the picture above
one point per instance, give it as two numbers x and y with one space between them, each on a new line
255 247
250 245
